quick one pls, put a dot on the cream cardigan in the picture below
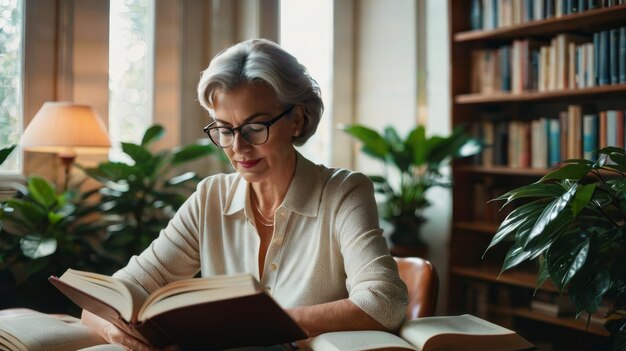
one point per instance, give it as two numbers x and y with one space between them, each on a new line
326 246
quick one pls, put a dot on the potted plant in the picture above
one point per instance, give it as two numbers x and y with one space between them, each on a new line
139 198
573 221
412 166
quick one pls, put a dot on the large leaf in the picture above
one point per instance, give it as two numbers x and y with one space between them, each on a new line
138 153
42 192
566 256
36 247
514 257
514 220
373 143
191 152
552 211
588 288
5 152
575 171
416 141
534 190
582 198
153 133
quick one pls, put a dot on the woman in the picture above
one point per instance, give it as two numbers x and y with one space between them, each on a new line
309 234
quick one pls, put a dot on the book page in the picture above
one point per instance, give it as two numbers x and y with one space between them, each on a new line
196 290
122 295
460 333
37 331
359 340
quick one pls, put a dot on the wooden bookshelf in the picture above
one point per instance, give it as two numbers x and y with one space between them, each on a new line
471 270
602 91
587 22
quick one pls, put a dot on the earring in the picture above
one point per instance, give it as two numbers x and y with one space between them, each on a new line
297 133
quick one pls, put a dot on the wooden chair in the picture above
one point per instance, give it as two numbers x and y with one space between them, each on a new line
422 281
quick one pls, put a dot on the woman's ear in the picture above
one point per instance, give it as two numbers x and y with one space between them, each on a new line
298 120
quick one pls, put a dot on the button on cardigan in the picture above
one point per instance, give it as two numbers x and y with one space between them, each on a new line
327 244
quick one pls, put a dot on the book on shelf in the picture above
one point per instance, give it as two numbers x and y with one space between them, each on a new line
622 55
213 311
22 330
552 304
493 14
451 333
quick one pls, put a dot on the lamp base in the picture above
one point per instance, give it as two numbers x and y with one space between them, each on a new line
67 159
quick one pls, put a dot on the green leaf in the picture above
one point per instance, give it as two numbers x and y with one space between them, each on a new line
551 211
534 190
116 171
373 143
582 198
393 139
180 179
138 153
574 171
589 287
42 192
543 273
514 257
36 247
191 152
514 220
153 133
5 152
416 141
566 256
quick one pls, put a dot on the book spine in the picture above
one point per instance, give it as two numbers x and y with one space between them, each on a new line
549 8
611 127
614 55
554 143
603 59
622 55
593 4
582 5
602 130
476 17
539 8
505 67
590 136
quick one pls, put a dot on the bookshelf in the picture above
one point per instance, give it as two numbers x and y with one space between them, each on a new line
475 283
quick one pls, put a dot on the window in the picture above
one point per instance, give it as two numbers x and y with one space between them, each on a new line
131 58
11 66
306 32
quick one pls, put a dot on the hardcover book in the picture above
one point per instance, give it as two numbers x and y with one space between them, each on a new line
28 330
450 333
209 313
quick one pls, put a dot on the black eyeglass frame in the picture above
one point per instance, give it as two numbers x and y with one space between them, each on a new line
267 125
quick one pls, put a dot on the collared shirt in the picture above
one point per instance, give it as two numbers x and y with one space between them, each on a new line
326 245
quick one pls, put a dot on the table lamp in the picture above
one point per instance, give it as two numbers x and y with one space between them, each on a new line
66 128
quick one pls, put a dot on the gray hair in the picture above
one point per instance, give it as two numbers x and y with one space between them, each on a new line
263 61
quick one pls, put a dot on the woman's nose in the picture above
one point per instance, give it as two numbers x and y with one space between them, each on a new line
239 142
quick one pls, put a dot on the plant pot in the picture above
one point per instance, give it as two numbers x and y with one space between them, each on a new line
405 237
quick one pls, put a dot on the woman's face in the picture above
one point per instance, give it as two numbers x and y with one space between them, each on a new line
258 103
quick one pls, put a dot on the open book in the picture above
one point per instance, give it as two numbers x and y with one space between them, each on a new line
201 313
27 330
450 333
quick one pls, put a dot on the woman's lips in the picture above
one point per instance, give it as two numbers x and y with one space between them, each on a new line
249 164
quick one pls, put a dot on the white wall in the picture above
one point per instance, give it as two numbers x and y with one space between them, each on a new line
437 230
386 69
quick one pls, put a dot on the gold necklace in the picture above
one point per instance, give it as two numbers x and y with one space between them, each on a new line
264 221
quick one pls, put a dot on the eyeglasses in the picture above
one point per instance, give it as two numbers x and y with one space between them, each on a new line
255 133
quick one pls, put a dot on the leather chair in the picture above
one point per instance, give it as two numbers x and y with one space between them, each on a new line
422 281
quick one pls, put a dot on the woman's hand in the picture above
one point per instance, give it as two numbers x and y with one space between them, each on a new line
114 335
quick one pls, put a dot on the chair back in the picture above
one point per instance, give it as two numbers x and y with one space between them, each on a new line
422 281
